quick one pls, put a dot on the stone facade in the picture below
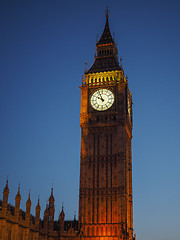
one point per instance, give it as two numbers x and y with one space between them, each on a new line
105 204
16 224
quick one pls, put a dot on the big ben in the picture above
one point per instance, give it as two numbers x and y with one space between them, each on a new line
105 196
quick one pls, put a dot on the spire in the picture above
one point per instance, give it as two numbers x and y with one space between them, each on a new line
29 199
18 195
62 214
38 209
106 37
6 192
51 198
107 12
51 211
17 201
28 207
106 58
38 205
5 199
61 221
46 217
6 187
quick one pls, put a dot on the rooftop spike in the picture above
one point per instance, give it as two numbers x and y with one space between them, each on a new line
106 57
107 12
106 37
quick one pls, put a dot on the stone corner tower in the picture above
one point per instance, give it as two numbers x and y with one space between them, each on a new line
105 195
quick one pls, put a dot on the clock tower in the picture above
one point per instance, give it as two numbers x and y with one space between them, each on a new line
105 195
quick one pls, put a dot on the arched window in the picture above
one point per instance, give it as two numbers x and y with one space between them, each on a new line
92 231
102 231
87 231
97 231
106 232
115 230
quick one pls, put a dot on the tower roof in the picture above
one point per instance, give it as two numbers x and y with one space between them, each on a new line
106 37
29 200
18 195
51 198
6 189
106 58
62 214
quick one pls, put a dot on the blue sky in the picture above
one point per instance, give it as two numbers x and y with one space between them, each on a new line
44 46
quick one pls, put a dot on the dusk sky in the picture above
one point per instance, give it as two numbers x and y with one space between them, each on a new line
43 49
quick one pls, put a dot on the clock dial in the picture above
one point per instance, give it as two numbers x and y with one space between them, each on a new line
102 99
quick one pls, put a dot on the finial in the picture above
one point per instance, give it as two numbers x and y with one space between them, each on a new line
85 69
6 189
19 188
7 182
75 216
62 205
107 12
62 212
121 61
52 189
29 194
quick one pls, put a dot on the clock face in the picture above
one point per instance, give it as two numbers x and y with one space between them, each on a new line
102 99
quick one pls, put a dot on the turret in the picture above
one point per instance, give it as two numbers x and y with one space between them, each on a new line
61 222
17 202
5 199
28 208
46 217
51 211
38 209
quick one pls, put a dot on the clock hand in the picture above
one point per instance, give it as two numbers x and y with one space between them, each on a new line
101 98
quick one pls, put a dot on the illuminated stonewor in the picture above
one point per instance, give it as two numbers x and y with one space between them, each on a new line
105 198
16 224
